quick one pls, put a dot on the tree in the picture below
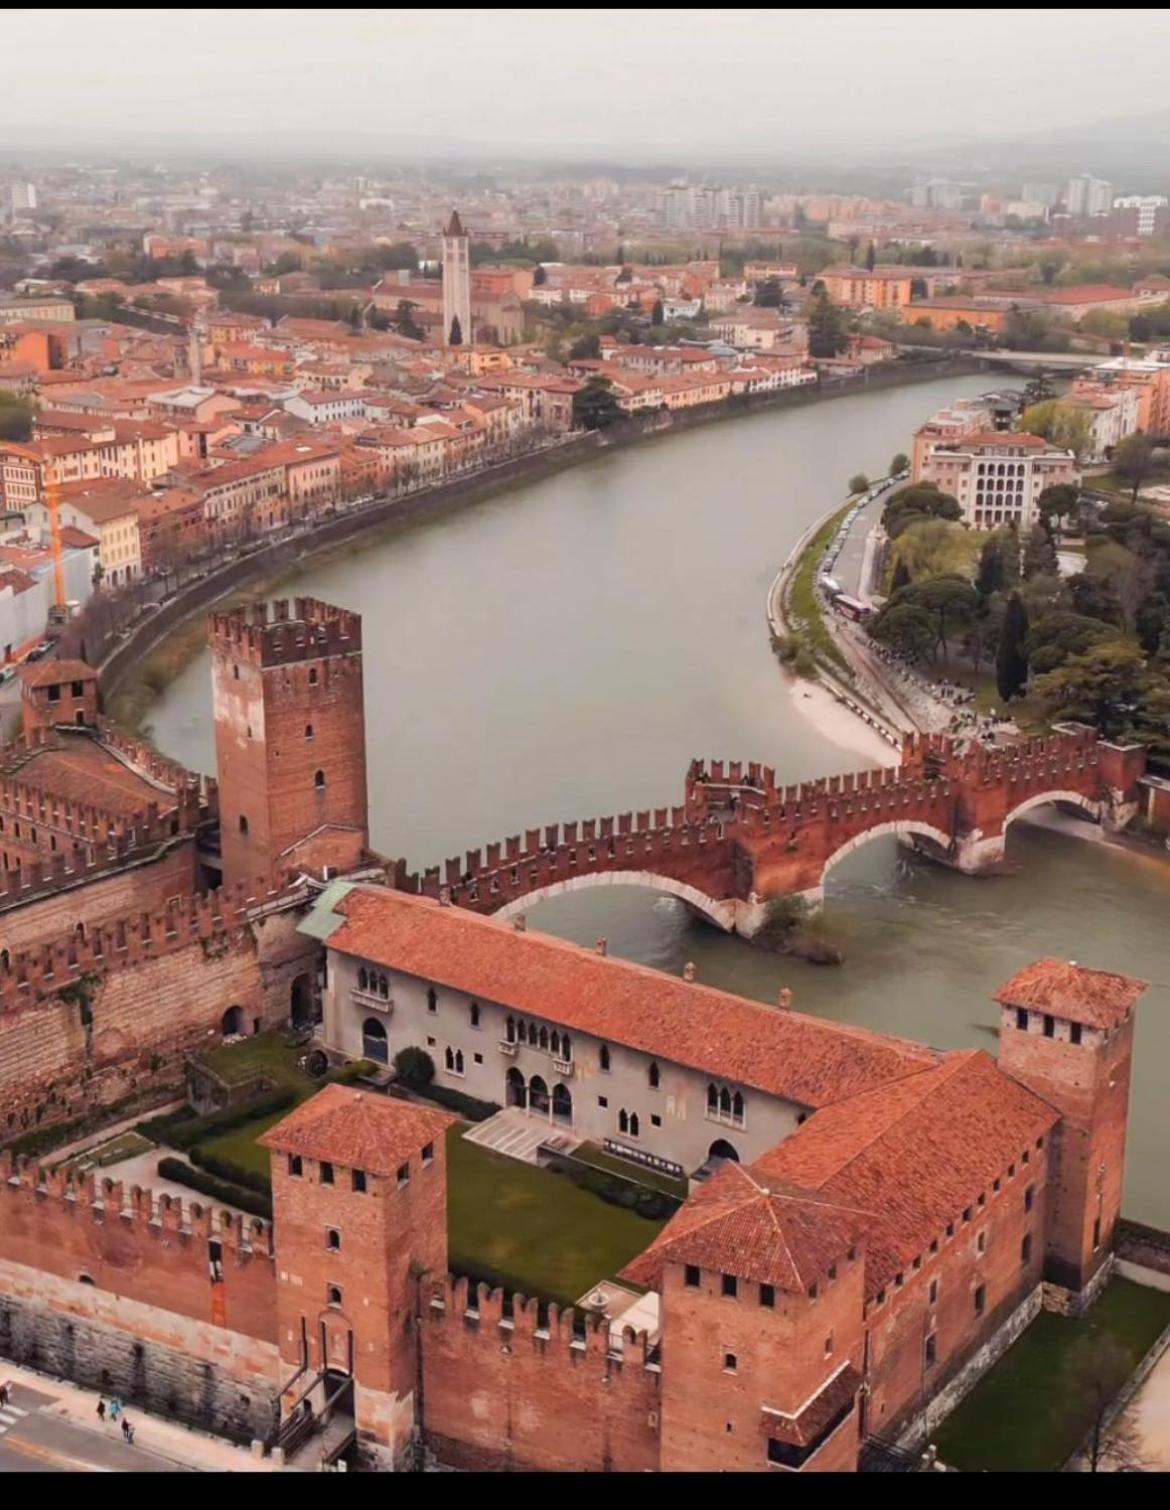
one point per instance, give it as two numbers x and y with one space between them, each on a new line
1057 503
769 294
870 257
404 322
456 333
414 1065
1102 687
901 577
1011 661
909 631
16 415
1039 554
595 406
586 348
1065 426
1096 1367
1059 634
539 276
1038 388
915 502
1133 461
658 313
858 483
951 601
899 464
827 334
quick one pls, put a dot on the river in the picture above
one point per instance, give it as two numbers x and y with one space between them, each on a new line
561 651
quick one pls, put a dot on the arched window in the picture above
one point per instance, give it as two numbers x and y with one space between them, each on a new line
363 979
235 673
623 1121
532 1034
243 824
459 1061
319 780
725 1102
737 1107
374 1044
554 1044
432 999
633 1124
334 1295
603 1058
510 1029
449 1057
383 987
544 1038
473 1011
566 1047
652 1076
712 1099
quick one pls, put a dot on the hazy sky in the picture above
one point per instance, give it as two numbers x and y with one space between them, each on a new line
651 81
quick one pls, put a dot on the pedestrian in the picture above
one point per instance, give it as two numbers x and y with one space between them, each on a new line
3 1395
101 1410
125 1429
130 1435
115 1408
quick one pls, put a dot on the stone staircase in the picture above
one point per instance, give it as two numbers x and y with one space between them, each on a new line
520 1136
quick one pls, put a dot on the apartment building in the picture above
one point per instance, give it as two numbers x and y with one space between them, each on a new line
997 477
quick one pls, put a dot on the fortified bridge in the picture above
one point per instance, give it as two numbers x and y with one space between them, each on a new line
739 841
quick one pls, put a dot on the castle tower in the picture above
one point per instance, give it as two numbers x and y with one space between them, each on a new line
457 329
359 1190
290 739
1067 1034
762 1314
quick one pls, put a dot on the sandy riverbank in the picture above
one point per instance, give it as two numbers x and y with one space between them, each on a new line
837 723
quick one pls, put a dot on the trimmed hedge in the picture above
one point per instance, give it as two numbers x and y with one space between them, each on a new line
654 1205
469 1107
360 1069
181 1173
183 1130
230 1171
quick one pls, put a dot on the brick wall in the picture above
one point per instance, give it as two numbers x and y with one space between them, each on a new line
503 1392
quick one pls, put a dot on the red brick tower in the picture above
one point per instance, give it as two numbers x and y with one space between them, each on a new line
762 1321
58 692
1067 1034
359 1189
289 738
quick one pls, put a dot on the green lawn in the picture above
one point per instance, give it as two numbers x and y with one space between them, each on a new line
267 1054
530 1230
1027 1415
593 1153
804 614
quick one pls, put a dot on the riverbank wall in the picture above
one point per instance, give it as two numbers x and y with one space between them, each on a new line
288 555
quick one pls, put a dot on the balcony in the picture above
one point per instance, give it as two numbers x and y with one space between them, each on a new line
564 1068
371 1001
507 1048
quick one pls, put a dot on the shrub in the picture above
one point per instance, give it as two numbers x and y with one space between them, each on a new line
654 1205
230 1171
415 1066
347 1073
183 1130
180 1173
456 1101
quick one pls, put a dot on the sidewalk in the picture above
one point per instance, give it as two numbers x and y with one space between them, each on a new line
186 1448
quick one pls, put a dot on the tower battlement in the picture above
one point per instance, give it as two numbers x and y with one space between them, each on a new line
303 630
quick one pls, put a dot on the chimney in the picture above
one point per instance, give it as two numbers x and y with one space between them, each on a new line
689 970
444 896
520 922
601 946
785 999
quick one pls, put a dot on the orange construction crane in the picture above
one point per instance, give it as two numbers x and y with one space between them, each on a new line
53 505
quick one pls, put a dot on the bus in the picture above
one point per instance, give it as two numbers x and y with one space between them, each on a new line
852 608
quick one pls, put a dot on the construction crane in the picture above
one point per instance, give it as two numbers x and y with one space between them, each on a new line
53 505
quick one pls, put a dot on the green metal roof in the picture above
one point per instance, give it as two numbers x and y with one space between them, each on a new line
322 919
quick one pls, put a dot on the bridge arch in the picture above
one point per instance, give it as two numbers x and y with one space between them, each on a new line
901 827
721 913
1087 805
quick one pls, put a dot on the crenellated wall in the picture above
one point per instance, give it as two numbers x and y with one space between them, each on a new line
516 1387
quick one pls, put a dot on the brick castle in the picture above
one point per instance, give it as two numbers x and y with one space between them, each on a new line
870 1221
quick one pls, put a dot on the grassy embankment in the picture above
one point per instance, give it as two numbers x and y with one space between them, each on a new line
807 627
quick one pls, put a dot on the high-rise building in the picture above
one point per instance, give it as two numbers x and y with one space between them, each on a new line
1085 196
1141 215
23 197
1046 194
457 329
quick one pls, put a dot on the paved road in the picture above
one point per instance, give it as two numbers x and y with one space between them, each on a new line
34 1441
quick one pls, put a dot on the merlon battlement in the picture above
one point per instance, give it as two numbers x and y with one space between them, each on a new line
305 630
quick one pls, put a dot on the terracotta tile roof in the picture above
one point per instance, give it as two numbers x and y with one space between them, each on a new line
807 1425
49 673
1095 998
86 773
1087 293
913 1153
802 1059
739 1223
358 1130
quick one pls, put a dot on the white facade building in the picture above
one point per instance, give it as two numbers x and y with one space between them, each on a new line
997 477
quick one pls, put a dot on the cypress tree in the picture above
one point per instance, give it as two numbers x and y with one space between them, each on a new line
1011 662
901 577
